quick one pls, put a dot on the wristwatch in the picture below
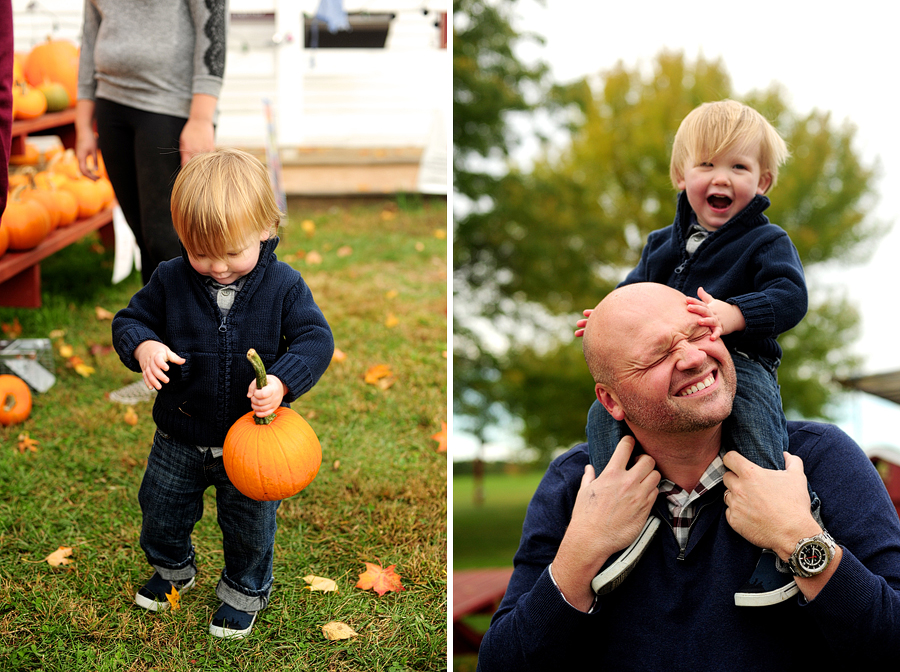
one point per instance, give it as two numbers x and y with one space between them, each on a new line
812 555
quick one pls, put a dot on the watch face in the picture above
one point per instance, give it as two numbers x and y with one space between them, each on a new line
813 556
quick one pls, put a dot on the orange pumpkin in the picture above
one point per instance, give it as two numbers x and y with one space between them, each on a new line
4 239
274 457
27 222
46 198
86 193
68 206
54 61
28 102
15 400
105 188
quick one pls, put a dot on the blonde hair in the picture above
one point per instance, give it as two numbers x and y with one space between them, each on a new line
220 199
717 127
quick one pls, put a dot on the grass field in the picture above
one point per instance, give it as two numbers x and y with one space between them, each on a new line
488 535
380 496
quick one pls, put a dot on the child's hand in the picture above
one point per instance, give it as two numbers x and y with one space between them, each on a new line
579 332
264 401
721 317
153 357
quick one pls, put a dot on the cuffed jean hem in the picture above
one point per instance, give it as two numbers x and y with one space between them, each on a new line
241 600
180 574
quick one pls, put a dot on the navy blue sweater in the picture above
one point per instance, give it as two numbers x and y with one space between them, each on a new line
274 313
679 614
748 262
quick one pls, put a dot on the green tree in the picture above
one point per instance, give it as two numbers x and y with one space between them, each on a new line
490 83
563 234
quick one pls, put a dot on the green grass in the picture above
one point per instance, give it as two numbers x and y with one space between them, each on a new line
380 496
488 535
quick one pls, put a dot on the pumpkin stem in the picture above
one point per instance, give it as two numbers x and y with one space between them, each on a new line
261 381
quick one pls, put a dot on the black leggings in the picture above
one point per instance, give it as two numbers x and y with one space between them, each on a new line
140 150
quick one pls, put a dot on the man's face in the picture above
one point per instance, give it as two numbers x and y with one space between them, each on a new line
670 376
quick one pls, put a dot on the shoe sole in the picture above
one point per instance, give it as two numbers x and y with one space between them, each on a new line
228 633
768 598
153 605
613 576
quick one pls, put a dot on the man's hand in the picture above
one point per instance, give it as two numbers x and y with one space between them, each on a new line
721 317
609 513
153 357
768 507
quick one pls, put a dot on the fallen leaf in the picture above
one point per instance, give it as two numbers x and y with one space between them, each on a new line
320 583
391 294
103 313
59 557
344 251
27 443
313 258
13 330
57 333
387 215
308 226
336 465
386 383
444 354
338 630
420 246
131 417
174 598
338 355
391 320
377 372
98 349
66 351
80 367
441 438
440 234
379 579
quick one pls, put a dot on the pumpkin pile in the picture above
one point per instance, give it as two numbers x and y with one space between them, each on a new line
274 457
40 200
45 79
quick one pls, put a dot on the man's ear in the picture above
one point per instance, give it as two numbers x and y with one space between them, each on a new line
609 401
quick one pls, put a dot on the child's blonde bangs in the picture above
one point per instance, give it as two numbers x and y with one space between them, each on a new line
714 128
220 199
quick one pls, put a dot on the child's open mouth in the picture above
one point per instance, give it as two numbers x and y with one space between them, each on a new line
719 202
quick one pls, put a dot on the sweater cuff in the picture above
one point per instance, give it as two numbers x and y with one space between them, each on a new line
758 313
849 594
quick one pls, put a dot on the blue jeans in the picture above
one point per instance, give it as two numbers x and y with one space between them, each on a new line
171 498
756 428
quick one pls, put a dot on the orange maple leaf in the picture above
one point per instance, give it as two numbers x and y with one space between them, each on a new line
27 443
338 356
174 598
441 438
379 579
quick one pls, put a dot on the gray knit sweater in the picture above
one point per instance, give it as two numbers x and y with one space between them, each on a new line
153 55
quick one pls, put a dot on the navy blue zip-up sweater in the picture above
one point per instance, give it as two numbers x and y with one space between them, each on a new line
274 313
677 613
748 262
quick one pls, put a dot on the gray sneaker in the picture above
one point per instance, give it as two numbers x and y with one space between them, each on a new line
613 576
132 394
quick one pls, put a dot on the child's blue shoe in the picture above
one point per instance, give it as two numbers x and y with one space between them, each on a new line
612 577
231 623
768 585
152 596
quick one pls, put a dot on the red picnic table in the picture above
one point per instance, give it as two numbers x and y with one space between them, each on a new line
475 591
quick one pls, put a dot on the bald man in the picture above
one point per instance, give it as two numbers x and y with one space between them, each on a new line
655 368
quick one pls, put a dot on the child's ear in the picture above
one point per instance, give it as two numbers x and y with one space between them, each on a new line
265 235
765 182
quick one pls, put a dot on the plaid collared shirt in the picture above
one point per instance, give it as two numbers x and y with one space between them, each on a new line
683 505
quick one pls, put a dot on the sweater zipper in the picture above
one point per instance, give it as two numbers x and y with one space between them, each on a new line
690 527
